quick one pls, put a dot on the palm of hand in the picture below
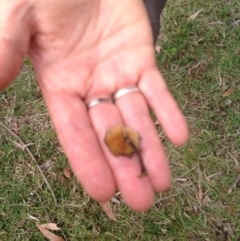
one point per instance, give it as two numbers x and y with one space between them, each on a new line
87 49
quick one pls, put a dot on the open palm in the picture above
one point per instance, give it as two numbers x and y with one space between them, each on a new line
81 50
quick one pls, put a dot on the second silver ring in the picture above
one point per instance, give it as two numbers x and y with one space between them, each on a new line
125 91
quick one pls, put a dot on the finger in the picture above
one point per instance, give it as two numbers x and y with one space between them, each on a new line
136 115
14 41
80 143
137 192
10 63
153 87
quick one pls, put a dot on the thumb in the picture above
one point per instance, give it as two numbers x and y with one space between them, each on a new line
14 40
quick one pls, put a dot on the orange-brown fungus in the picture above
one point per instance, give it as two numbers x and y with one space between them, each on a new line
122 140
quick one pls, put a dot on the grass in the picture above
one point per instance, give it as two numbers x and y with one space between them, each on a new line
200 60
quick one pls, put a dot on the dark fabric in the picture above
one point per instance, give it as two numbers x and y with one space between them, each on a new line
154 9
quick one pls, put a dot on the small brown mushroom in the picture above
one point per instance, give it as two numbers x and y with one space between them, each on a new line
122 140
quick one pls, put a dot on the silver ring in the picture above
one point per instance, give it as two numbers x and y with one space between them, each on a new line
125 91
98 101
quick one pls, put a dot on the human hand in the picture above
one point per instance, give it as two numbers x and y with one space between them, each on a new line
83 49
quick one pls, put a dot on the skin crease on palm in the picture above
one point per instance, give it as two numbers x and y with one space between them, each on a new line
83 49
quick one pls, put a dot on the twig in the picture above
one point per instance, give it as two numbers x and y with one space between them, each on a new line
234 185
32 157
42 205
137 151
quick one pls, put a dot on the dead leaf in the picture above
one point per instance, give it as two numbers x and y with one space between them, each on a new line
192 17
158 49
66 173
50 226
118 140
49 235
33 218
224 231
106 207
228 92
115 200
